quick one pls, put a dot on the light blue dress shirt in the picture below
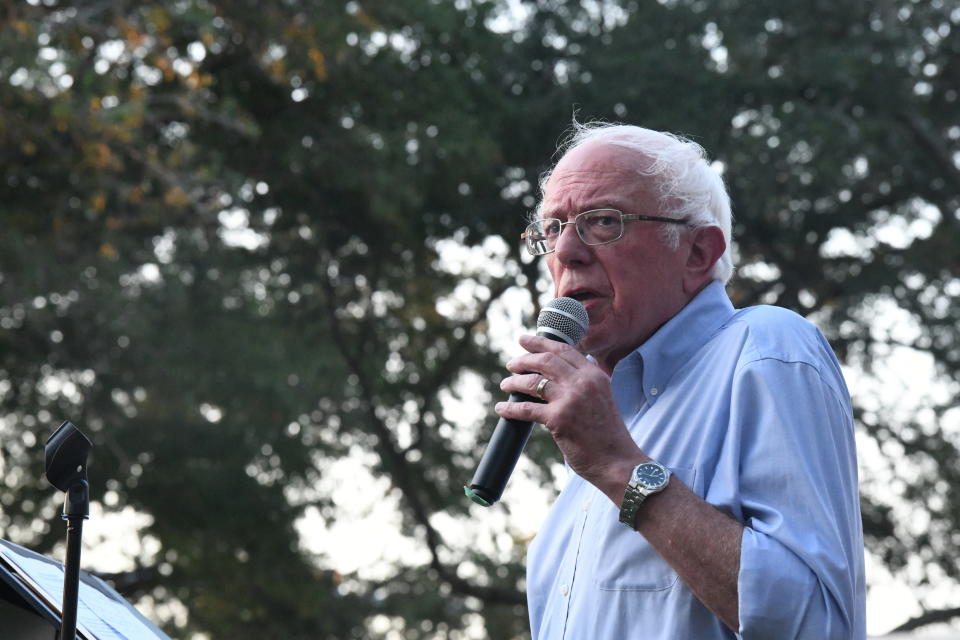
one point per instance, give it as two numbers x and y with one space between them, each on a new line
749 409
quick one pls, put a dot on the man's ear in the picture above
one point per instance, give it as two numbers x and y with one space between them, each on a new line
706 247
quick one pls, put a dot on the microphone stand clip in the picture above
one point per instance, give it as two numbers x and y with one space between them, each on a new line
65 457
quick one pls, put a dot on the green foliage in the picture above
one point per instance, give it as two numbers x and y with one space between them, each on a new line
222 256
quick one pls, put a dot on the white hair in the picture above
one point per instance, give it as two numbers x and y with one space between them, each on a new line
687 186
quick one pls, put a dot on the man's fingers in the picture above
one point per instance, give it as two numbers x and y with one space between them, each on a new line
539 343
552 365
522 383
527 411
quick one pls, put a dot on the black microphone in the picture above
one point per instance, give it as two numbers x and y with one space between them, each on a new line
563 320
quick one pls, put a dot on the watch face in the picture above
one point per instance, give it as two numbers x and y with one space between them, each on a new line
650 475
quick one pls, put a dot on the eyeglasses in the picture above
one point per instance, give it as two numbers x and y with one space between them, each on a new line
597 226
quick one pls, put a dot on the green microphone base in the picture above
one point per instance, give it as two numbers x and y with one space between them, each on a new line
476 498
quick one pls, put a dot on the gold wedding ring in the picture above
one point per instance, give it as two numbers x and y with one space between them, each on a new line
541 386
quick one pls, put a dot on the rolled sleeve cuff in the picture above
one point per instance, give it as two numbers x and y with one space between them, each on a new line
778 593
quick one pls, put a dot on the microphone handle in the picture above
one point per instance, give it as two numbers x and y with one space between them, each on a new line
501 456
505 446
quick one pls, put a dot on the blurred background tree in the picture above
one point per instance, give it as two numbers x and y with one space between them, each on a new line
265 255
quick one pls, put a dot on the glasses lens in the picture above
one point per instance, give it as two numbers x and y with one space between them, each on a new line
542 236
600 226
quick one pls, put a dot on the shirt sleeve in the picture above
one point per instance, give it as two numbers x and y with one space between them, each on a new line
801 565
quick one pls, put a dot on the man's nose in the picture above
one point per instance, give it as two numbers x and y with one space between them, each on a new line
570 248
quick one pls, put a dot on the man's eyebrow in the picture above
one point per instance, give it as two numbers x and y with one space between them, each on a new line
591 206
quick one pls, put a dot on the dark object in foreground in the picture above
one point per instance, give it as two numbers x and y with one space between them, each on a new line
65 455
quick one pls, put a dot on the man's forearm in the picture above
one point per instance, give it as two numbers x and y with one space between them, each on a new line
700 542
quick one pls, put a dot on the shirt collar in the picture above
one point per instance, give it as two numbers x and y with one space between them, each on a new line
679 338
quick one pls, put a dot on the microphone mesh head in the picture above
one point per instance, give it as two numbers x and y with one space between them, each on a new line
565 318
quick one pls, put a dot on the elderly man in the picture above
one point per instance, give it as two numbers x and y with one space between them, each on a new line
713 488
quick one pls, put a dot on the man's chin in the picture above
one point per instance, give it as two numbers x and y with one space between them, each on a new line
590 345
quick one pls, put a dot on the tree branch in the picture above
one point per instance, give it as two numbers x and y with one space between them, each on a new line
928 617
933 145
397 466
445 370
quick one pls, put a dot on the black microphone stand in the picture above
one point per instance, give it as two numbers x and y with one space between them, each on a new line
66 469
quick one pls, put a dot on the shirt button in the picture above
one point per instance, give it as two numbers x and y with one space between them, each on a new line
586 505
564 589
654 391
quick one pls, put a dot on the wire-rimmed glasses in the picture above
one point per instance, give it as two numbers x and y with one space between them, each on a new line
595 227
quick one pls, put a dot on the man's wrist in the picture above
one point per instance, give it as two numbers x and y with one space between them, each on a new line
647 479
618 476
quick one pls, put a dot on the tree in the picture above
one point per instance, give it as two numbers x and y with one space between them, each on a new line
231 253
220 262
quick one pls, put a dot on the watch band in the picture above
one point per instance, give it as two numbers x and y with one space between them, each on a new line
638 489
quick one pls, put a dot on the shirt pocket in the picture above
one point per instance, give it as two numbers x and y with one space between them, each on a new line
625 561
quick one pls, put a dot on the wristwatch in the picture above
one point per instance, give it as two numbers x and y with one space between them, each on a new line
647 479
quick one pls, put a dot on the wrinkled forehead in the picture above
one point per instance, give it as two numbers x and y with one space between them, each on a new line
603 155
597 175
